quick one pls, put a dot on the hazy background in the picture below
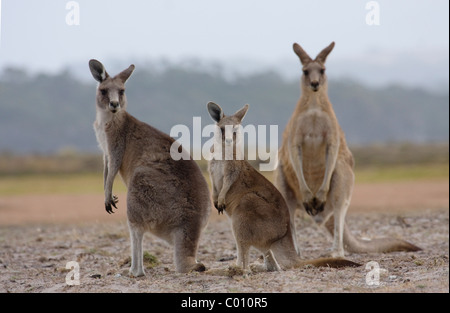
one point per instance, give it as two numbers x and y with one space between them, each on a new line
409 46
388 82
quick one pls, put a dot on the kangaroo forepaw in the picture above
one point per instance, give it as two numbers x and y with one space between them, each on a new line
216 205
314 207
111 203
219 207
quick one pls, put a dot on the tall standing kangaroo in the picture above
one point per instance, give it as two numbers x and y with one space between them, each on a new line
169 198
315 171
259 214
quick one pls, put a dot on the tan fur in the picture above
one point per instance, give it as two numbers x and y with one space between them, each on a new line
258 213
315 171
168 198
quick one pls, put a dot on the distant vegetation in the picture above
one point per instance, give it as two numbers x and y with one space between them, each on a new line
374 156
70 172
46 114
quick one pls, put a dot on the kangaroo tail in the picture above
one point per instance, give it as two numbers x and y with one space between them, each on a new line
379 245
284 252
328 262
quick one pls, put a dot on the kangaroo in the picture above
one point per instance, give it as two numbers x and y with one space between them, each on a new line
259 215
169 198
315 171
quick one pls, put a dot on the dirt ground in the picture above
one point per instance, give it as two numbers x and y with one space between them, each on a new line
40 234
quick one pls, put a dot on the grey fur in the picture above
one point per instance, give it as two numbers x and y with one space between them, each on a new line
258 212
168 198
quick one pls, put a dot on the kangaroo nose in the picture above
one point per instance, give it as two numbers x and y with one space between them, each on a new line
315 84
113 105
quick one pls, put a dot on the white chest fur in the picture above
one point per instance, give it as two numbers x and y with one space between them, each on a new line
99 127
217 173
101 137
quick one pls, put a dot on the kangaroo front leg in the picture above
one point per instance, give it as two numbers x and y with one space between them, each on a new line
110 171
215 196
105 170
228 181
331 155
221 204
296 158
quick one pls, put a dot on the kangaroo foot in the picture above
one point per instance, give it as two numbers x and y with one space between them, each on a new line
314 207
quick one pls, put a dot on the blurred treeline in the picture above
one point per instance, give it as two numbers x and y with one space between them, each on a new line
47 114
373 156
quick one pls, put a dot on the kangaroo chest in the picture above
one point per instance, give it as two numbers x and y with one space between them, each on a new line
102 123
316 132
315 128
101 136
217 170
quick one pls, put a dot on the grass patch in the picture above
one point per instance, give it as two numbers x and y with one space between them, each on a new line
92 183
86 183
150 260
396 173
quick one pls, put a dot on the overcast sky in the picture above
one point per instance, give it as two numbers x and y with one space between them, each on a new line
36 34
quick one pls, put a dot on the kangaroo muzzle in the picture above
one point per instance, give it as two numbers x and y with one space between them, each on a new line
114 106
315 85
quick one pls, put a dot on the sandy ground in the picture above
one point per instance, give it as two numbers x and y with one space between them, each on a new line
39 234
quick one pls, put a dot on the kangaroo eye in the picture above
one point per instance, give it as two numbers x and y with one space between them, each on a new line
322 71
306 72
121 92
103 91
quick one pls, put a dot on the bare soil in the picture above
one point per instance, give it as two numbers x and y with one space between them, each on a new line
39 234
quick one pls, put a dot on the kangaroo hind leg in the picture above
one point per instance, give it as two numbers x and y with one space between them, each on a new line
243 254
185 251
338 201
136 236
270 262
291 201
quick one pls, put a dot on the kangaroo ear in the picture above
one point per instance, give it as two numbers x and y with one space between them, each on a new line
322 56
241 113
98 70
304 57
215 111
125 74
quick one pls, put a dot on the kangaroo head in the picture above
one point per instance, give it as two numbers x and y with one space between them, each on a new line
313 70
228 130
111 90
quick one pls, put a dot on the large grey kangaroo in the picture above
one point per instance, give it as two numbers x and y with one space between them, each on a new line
315 171
169 198
259 215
